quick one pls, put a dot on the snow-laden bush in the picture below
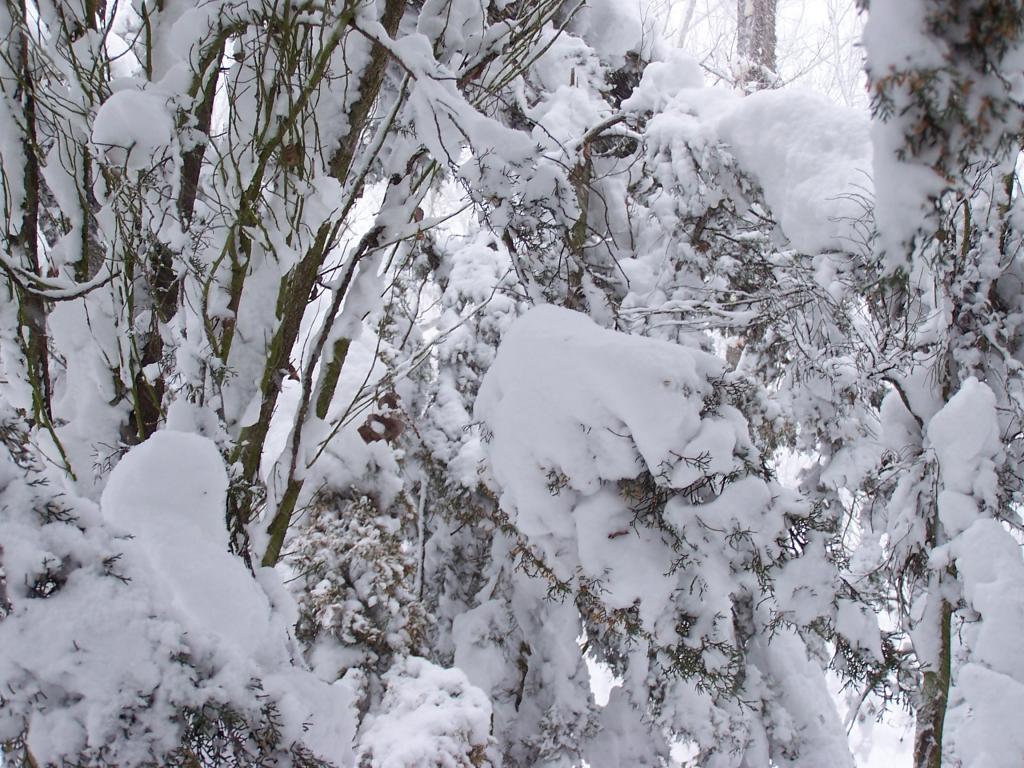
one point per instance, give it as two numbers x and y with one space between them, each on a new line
131 635
628 484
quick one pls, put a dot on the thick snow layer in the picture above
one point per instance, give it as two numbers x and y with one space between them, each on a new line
896 41
811 157
610 28
662 81
456 25
171 619
133 128
429 717
902 191
568 399
571 408
809 721
551 356
573 412
988 693
895 36
169 493
12 155
965 438
573 415
988 690
478 650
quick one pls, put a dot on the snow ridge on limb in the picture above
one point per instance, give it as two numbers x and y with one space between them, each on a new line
946 84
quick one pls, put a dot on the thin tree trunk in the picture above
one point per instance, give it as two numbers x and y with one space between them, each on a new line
931 711
163 284
756 41
32 308
684 30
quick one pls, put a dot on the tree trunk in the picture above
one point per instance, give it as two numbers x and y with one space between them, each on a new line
32 307
756 42
931 711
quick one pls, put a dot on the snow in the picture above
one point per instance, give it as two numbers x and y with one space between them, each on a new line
573 414
895 37
169 494
663 81
182 624
902 191
85 393
429 717
133 129
811 157
805 590
988 692
860 627
810 724
965 438
604 479
456 25
613 745
635 567
610 29
897 40
543 425
477 649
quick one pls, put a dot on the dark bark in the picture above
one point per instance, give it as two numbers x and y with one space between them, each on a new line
286 506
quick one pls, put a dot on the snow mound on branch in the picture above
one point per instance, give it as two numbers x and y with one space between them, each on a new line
174 483
134 129
132 633
662 81
631 481
988 692
811 157
609 27
169 493
575 413
808 726
896 42
965 438
567 397
429 717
